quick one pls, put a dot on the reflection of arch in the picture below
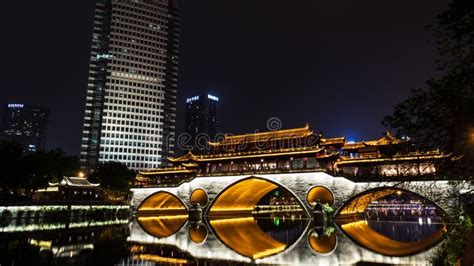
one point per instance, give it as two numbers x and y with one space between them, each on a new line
242 196
162 226
361 233
322 244
321 193
162 202
198 234
245 237
358 203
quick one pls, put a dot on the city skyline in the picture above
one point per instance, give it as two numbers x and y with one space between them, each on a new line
331 71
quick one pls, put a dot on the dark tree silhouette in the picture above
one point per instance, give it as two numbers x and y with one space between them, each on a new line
10 156
23 173
441 116
113 175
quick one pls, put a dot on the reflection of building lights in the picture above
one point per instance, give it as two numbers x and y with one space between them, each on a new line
420 221
399 192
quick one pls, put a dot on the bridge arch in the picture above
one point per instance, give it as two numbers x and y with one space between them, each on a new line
240 197
357 227
162 214
320 193
359 202
199 196
161 202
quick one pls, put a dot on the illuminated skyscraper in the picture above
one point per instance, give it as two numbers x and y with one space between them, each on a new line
133 76
26 125
202 120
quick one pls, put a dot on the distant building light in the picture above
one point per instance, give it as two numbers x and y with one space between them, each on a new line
350 142
212 97
192 99
16 105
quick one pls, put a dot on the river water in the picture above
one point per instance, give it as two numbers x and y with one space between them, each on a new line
390 230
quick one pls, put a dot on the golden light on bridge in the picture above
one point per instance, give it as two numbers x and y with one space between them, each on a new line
372 240
162 214
360 203
199 196
162 203
198 234
247 238
241 198
322 244
320 194
162 226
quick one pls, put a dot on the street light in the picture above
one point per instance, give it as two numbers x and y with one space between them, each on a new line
81 174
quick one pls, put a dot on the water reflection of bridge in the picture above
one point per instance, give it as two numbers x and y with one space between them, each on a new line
243 235
224 240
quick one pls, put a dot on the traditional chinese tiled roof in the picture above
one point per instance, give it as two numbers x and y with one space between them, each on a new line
168 170
387 139
185 158
264 136
417 156
189 157
74 182
353 145
333 141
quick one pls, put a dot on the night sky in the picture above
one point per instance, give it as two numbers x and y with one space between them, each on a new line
338 65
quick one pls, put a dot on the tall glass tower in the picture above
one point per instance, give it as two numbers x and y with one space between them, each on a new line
202 121
133 76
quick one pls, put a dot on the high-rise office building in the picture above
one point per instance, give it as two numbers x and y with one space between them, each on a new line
133 76
25 124
202 120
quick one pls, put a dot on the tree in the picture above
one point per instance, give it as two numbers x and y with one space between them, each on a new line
441 116
10 156
113 175
29 171
41 167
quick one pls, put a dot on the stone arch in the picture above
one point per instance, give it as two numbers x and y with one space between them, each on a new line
161 202
199 196
322 193
359 202
356 228
241 196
